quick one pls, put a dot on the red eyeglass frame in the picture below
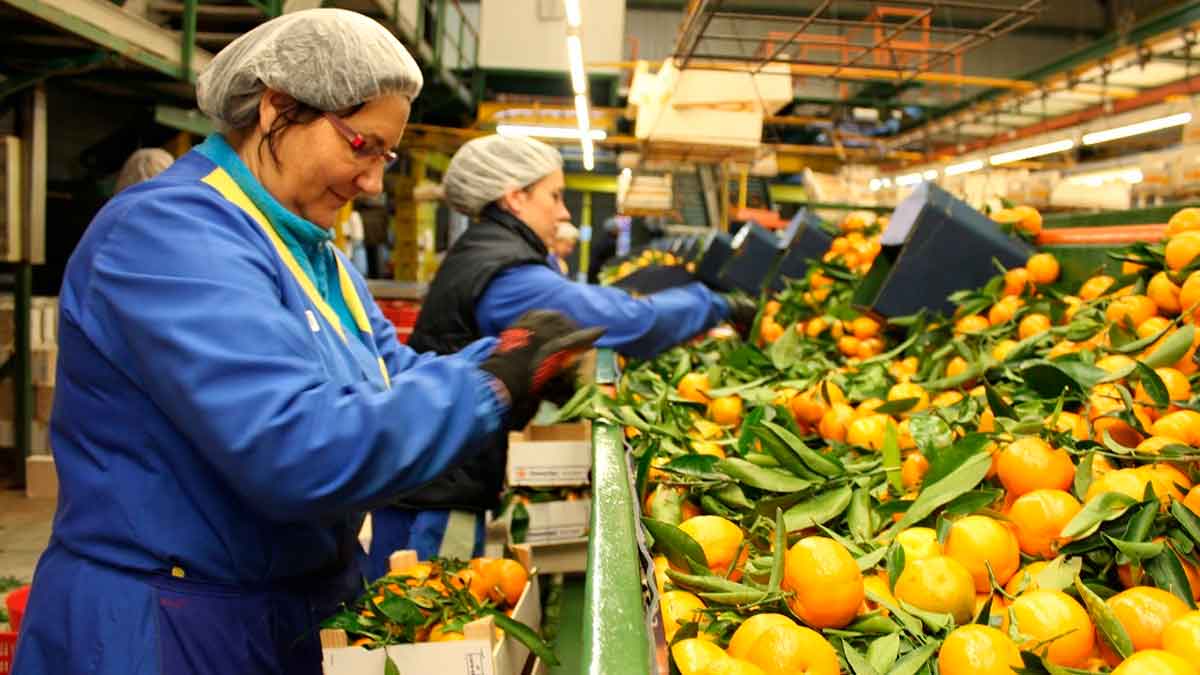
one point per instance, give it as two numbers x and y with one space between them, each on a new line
356 140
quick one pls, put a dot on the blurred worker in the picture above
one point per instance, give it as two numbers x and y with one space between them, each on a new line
143 164
513 187
230 400
565 238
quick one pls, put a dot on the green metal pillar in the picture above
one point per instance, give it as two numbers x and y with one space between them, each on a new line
616 638
189 39
438 29
585 244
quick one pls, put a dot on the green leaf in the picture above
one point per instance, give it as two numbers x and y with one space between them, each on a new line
1169 575
1059 574
676 544
1172 348
1153 385
1139 345
401 610
779 553
891 457
666 505
1111 630
930 433
1188 520
787 350
525 635
822 464
1083 475
737 388
389 666
936 621
883 652
997 404
897 406
771 480
1141 522
745 442
732 496
895 563
942 463
973 501
693 465
858 663
1048 380
955 483
818 510
1104 507
858 519
915 660
870 560
1136 550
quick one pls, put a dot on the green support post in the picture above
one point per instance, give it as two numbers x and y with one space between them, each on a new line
22 372
438 29
458 46
616 638
585 246
189 39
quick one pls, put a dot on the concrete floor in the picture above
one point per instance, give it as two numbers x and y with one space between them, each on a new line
24 532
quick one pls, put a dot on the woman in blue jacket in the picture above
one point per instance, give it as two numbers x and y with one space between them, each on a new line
513 189
230 400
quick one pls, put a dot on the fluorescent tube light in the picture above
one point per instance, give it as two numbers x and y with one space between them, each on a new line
582 119
1131 175
908 179
575 59
930 174
589 154
1030 152
875 184
549 132
573 17
964 167
1137 128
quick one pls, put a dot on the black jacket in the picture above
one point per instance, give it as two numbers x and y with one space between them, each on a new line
496 242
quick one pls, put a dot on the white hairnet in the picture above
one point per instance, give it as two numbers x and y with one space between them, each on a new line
143 165
485 168
330 59
567 232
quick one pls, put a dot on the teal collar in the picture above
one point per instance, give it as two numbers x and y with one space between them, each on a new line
308 241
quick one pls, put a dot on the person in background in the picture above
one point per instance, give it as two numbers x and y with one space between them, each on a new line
143 164
513 189
230 401
565 238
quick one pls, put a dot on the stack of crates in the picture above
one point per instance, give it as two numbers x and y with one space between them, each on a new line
549 475
403 315
41 480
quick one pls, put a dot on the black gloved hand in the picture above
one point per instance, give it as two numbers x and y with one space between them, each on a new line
742 311
532 351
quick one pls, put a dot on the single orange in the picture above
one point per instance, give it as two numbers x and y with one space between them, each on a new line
868 431
910 390
693 655
789 650
1184 219
1095 287
978 541
1004 310
1181 637
919 543
938 584
834 422
1029 463
693 387
720 538
1181 249
913 469
1182 425
1164 293
1039 517
1155 662
726 410
973 323
1026 579
679 607
826 583
864 327
1054 615
751 629
1043 268
1131 310
1145 612
956 366
1016 281
978 650
1032 324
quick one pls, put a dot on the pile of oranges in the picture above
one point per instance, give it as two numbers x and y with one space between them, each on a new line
432 601
1012 484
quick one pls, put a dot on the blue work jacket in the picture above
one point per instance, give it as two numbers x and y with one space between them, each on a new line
218 431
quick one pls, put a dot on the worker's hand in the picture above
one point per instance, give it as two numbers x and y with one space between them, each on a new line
538 347
742 311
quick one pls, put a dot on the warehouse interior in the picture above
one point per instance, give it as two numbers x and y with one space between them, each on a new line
700 140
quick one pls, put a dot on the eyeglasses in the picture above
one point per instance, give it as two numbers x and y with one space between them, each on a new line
363 148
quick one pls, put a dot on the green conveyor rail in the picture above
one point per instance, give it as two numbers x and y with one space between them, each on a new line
615 635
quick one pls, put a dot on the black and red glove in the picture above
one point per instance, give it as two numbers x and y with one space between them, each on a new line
742 311
537 348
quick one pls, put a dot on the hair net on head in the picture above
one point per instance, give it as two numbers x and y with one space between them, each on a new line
143 165
485 168
567 232
329 59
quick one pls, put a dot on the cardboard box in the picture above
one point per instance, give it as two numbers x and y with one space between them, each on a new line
481 653
756 250
809 242
558 521
570 431
43 363
549 463
934 245
561 557
41 479
43 403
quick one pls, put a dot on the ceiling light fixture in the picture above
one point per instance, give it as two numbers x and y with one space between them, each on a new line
1031 152
1137 128
575 60
964 167
550 132
573 16
908 179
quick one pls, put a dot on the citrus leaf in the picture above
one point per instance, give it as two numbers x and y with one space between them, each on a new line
779 556
891 457
858 519
1083 475
883 652
819 509
858 663
915 660
666 505
734 389
676 544
945 461
1111 630
961 480
389 666
930 433
1188 520
1104 507
898 405
1048 380
870 560
1139 345
1153 385
895 563
1059 574
1169 575
1173 347
822 464
997 404
771 480
693 465
1136 550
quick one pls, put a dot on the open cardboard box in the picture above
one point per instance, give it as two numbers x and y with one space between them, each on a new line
549 463
569 431
481 653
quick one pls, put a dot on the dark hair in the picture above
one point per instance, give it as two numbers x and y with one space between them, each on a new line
296 114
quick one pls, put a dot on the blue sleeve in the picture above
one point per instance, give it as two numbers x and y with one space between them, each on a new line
640 327
191 290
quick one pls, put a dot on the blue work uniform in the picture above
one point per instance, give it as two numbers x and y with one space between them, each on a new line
227 407
495 272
